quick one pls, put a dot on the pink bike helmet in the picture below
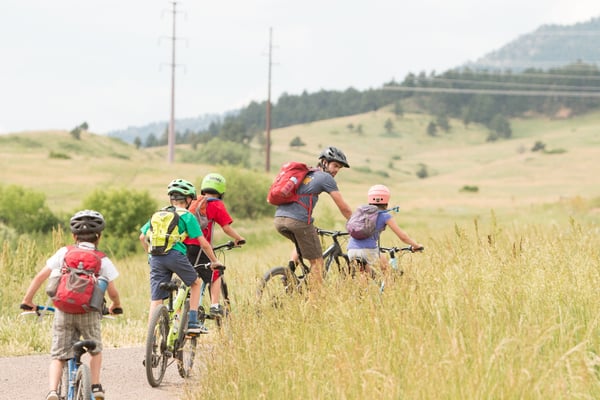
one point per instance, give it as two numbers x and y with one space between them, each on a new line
379 194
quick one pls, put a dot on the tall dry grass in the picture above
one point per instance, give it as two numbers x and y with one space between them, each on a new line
486 312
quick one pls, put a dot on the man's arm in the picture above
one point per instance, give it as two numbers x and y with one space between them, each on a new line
341 204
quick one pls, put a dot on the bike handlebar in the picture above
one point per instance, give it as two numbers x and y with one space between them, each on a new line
325 232
227 246
396 249
25 307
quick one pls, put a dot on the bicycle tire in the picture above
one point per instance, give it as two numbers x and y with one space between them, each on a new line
225 302
156 346
186 345
275 286
83 383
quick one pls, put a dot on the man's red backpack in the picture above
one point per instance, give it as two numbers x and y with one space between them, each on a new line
79 274
284 188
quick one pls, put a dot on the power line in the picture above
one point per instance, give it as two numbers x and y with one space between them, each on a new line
506 84
537 93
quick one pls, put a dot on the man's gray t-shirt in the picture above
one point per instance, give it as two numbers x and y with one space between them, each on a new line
313 184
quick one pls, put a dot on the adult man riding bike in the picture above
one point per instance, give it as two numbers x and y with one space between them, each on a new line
294 220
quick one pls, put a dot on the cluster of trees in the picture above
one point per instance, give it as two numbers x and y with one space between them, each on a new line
492 98
488 98
124 210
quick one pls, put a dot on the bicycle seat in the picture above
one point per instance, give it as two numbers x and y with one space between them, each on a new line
83 346
169 286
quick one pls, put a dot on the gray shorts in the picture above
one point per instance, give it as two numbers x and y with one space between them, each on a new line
371 256
69 328
162 269
305 236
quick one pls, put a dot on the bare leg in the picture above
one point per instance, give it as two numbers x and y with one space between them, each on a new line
95 366
195 294
153 305
316 272
55 373
215 291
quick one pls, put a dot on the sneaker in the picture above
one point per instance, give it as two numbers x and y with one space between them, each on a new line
217 311
98 392
196 327
52 395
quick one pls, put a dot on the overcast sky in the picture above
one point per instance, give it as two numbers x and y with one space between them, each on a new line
107 62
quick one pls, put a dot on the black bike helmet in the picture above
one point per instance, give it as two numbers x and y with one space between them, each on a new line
181 187
87 221
334 154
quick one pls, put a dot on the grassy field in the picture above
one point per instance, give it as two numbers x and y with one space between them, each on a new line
502 304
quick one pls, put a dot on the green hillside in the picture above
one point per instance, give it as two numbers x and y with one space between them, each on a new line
506 173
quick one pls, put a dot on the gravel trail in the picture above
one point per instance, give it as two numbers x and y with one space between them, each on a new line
123 377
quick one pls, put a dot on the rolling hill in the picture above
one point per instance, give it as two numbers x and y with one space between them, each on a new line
508 175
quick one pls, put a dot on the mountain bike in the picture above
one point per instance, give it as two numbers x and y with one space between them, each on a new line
76 383
282 281
226 302
168 340
361 266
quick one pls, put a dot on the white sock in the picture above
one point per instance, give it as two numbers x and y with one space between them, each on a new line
215 305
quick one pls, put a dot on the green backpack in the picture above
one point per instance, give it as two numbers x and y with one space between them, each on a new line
164 230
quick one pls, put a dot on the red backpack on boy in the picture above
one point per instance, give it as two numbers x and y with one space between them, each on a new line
79 274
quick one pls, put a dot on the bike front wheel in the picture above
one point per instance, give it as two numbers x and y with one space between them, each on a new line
275 286
156 346
186 345
83 383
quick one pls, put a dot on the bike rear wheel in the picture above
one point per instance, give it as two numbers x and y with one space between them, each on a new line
83 383
276 286
186 345
156 346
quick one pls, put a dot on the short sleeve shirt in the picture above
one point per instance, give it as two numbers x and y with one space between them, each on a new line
55 262
216 212
371 242
315 183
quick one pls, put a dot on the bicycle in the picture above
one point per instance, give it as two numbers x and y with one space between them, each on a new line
202 314
167 337
361 265
293 277
76 383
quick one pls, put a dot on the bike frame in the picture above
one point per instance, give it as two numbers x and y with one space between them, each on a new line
73 365
175 308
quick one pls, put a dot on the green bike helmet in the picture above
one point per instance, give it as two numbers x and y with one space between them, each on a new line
213 183
182 187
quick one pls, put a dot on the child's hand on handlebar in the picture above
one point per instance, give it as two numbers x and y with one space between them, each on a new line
416 248
216 265
28 307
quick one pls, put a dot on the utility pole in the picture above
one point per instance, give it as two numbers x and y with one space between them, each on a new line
171 135
268 128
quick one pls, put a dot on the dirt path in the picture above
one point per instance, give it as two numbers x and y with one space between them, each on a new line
123 377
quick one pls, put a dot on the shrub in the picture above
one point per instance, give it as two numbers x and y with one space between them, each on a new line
125 212
539 146
246 195
470 188
422 172
60 156
25 210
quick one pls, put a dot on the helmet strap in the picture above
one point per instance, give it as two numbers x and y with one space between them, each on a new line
324 164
